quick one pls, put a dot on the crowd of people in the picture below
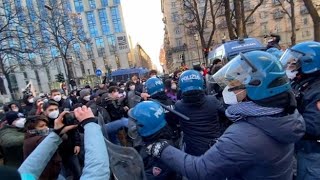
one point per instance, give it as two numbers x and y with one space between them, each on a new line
256 117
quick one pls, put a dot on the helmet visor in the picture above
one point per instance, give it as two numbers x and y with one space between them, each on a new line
235 74
290 59
132 129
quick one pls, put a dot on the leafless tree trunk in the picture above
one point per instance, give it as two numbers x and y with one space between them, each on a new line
238 17
228 15
200 20
315 18
291 16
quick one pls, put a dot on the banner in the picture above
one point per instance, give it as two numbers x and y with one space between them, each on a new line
122 43
29 89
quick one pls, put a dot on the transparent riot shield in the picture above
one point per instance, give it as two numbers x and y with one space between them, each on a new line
125 162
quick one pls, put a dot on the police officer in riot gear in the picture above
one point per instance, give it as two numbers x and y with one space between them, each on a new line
147 121
155 88
205 112
260 142
302 63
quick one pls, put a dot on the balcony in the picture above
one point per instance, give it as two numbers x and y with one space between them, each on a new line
222 25
179 48
304 10
278 15
251 20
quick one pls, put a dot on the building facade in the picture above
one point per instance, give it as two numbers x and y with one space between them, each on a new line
141 58
180 41
270 17
106 48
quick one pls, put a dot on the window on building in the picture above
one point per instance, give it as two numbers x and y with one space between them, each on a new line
173 4
305 21
54 52
275 2
175 17
92 4
100 47
264 29
112 43
278 28
179 42
89 51
82 68
116 2
92 24
104 22
78 5
177 30
76 48
306 33
94 65
104 3
116 19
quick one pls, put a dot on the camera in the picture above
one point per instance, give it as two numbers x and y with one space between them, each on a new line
69 119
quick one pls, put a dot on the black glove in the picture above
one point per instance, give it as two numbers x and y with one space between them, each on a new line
155 149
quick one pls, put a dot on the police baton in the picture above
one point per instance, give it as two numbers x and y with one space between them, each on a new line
167 108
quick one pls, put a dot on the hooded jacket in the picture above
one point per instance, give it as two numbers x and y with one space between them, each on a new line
52 169
253 148
204 125
11 143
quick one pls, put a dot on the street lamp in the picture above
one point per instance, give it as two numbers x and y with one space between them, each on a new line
196 38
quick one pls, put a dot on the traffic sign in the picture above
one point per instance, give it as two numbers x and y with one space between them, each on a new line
98 72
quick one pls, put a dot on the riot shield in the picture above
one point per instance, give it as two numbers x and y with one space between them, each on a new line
125 162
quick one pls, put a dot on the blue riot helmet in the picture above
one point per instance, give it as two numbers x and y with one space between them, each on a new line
154 85
258 72
303 57
276 52
146 119
191 80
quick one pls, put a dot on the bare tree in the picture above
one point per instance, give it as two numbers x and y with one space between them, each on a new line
238 13
229 16
16 43
315 18
291 14
202 14
62 31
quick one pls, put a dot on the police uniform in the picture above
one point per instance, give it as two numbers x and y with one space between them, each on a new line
308 149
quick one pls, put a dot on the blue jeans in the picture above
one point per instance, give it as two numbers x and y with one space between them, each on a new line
308 166
114 126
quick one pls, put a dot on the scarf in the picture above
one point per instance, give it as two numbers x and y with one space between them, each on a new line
250 109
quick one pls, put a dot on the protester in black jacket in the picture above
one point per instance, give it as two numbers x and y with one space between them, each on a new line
114 108
204 127
70 147
64 104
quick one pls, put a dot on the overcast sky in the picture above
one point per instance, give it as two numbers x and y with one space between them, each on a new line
143 20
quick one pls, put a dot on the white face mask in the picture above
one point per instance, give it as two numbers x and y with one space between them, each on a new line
229 97
57 98
86 98
15 109
20 123
173 86
132 88
53 114
31 100
291 74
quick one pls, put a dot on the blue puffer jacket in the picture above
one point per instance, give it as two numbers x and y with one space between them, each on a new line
255 148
